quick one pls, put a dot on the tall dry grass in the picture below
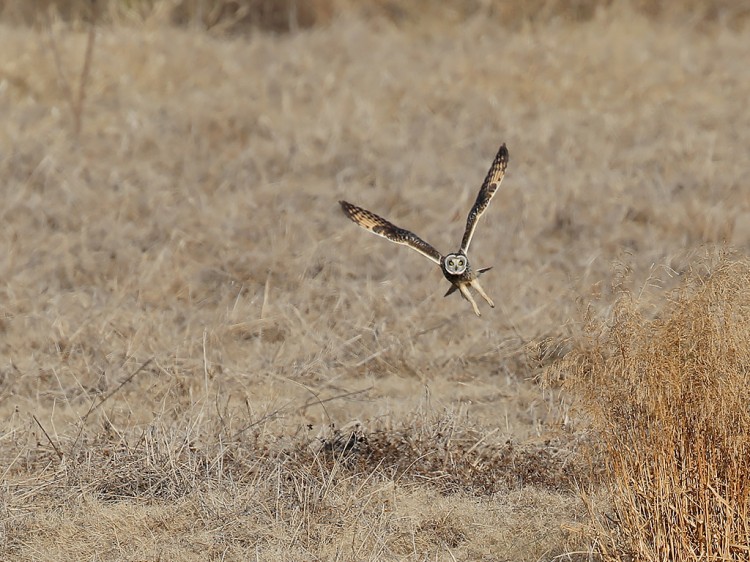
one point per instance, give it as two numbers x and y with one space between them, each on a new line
669 397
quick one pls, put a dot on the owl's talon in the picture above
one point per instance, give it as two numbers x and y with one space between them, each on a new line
479 289
467 295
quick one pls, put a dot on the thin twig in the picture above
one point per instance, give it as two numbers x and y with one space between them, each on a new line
58 451
75 101
205 363
123 383
261 420
85 71
108 396
58 63
482 440
320 402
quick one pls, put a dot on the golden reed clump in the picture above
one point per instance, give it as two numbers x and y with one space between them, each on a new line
670 398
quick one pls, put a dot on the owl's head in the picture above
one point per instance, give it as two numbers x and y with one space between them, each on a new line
455 264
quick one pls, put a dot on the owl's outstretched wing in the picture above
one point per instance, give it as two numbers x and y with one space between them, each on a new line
487 191
381 227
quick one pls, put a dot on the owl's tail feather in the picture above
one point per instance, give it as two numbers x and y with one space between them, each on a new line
454 288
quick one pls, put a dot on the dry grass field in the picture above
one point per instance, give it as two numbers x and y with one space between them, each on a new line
202 358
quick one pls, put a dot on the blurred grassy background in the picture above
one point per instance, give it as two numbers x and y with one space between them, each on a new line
239 16
188 323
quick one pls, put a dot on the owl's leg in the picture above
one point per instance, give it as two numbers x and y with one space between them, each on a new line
479 289
467 295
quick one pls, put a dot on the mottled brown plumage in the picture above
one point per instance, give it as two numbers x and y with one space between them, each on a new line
378 225
486 193
455 266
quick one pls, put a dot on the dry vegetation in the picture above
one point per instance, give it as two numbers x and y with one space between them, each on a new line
670 398
201 358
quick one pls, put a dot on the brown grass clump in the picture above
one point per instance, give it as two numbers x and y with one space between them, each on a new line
295 498
452 455
670 396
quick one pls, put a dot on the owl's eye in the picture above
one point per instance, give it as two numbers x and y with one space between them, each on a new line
452 263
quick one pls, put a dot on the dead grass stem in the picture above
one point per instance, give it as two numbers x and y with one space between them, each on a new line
75 98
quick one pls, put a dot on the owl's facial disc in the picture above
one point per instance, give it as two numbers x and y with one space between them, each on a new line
455 264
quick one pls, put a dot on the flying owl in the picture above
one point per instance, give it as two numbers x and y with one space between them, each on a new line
455 266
